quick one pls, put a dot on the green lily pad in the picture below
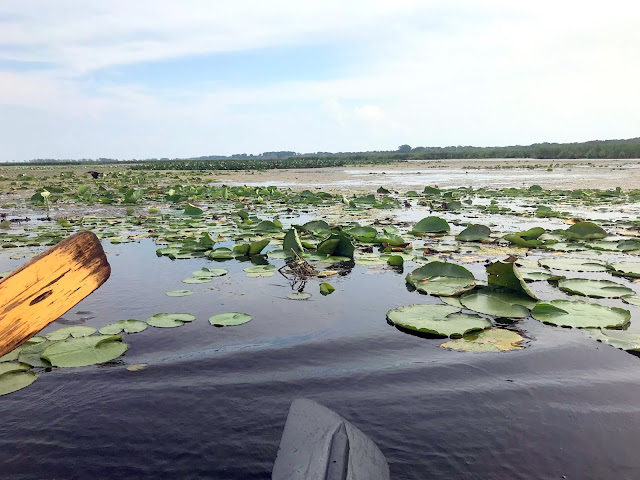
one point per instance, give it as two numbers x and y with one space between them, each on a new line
631 299
439 320
594 288
584 231
491 340
291 243
299 296
395 260
221 253
75 331
31 354
507 275
442 279
536 274
256 247
210 272
179 293
80 352
197 280
337 244
170 320
573 264
260 270
369 259
126 326
626 269
229 319
566 313
15 380
326 289
431 225
6 367
621 339
192 210
497 304
474 233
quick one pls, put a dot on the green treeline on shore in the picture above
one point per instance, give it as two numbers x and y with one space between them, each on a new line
597 149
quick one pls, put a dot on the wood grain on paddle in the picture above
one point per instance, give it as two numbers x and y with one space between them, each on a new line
49 285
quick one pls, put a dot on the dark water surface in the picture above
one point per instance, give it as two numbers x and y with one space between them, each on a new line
213 401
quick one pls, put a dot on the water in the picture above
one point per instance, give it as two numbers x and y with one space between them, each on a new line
213 401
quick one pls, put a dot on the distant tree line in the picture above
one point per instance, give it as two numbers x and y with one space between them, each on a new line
596 149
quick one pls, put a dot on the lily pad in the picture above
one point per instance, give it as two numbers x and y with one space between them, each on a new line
179 293
442 279
197 280
75 331
170 320
431 225
256 247
80 352
626 269
621 339
291 243
6 367
530 274
326 289
192 210
474 233
573 264
594 288
229 319
567 313
15 380
260 271
31 354
299 296
126 326
497 304
337 244
439 320
631 299
584 231
395 260
210 272
507 275
491 340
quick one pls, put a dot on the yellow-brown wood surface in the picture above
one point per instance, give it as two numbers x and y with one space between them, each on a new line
49 285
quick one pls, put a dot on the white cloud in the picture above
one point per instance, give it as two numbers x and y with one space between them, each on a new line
369 113
425 73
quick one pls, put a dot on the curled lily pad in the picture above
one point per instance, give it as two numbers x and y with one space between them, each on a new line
179 293
256 247
496 303
229 319
626 269
291 243
491 340
13 381
299 296
439 320
431 225
126 326
474 233
395 260
573 264
75 331
507 275
31 354
326 289
192 210
566 313
621 339
594 288
80 352
170 320
337 244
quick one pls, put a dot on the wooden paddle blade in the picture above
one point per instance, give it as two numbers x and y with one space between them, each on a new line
49 285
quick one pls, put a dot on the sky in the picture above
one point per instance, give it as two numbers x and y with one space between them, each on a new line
160 78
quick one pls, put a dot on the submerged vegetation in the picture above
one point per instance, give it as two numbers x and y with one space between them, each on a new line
479 260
